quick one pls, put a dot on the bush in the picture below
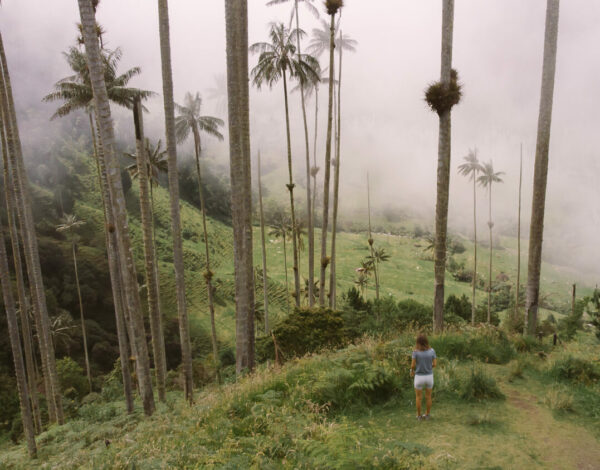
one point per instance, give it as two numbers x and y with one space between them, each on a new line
73 382
304 331
459 306
573 322
479 386
577 370
490 346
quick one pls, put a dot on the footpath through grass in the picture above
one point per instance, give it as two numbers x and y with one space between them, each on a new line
354 408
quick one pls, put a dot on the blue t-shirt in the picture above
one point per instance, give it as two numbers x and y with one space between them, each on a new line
424 361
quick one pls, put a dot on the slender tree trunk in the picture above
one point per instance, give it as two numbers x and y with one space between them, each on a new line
474 304
336 186
443 172
117 200
21 289
573 297
287 285
184 330
30 245
314 168
309 212
519 238
290 187
324 259
83 331
116 277
540 176
208 274
236 22
371 241
264 249
15 343
152 286
490 225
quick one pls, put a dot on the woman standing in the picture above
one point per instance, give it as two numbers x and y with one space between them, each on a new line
423 362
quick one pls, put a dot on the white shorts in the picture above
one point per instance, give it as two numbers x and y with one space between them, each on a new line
424 381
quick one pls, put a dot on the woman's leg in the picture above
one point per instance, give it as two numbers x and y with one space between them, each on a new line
428 399
419 395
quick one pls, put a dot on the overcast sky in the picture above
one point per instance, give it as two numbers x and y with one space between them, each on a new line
386 129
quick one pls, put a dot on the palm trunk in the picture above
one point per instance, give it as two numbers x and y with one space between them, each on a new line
236 22
324 259
371 241
490 224
83 332
474 304
290 187
184 329
309 212
287 285
15 343
208 273
116 277
519 237
264 249
117 202
336 187
30 245
443 173
314 171
152 286
21 290
540 176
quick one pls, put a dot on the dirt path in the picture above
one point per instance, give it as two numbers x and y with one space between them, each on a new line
556 444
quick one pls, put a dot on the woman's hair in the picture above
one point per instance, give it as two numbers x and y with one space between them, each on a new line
422 342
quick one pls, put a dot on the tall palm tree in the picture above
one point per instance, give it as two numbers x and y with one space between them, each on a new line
441 97
379 256
190 120
218 93
470 169
283 229
518 286
20 187
343 42
117 203
21 288
278 59
332 7
150 261
371 241
169 104
487 178
69 224
15 343
309 199
236 26
264 248
540 175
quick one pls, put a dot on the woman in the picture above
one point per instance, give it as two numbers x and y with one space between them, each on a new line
423 362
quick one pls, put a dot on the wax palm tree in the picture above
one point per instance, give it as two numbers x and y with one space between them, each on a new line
277 59
487 178
518 286
218 93
309 199
69 224
365 270
282 228
190 120
342 42
157 165
441 97
15 343
470 169
117 204
332 7
379 256
236 28
169 105
20 187
264 248
540 175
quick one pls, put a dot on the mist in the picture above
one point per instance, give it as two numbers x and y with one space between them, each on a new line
387 129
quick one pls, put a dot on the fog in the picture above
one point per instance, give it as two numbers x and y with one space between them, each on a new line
387 129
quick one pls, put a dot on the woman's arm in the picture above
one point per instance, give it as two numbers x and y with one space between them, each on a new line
434 362
413 366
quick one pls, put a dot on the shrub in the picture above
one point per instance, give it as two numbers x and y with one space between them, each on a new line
569 325
479 386
577 370
559 399
73 382
459 306
487 345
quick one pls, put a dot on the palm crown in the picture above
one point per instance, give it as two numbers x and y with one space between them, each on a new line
320 40
279 56
488 176
471 166
156 159
76 90
189 119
